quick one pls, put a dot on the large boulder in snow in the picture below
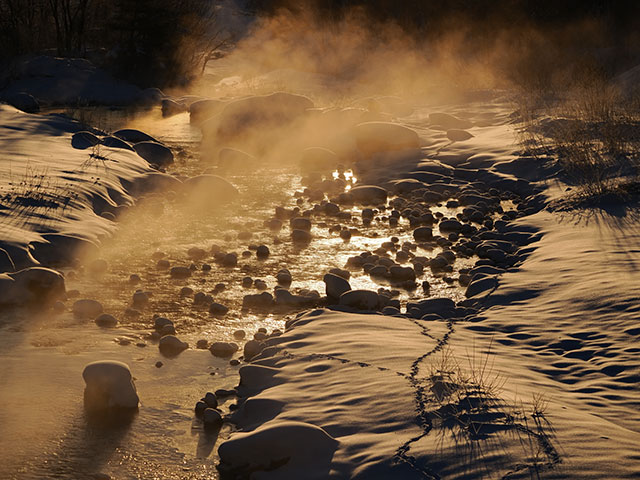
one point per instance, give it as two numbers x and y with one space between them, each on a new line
307 449
34 286
440 306
109 385
374 137
115 142
83 140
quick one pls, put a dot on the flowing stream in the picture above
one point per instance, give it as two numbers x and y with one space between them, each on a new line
43 429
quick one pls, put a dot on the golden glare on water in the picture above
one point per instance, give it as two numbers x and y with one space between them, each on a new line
346 175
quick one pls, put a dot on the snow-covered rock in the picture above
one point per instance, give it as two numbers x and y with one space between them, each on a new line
234 159
34 286
208 189
318 159
374 137
360 299
335 286
156 154
369 195
109 384
132 135
305 451
240 119
83 140
171 107
6 262
23 101
201 110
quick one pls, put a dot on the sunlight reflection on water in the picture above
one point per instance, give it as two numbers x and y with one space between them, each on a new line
161 441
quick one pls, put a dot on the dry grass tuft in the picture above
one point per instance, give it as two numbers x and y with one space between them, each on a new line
591 130
470 410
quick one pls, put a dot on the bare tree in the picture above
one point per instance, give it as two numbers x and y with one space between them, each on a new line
204 39
70 17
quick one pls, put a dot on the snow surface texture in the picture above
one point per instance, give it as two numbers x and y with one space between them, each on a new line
376 397
52 194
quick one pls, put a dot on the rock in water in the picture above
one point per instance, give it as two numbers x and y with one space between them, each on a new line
369 195
374 137
35 286
171 107
335 286
300 237
223 349
109 385
171 345
218 310
440 306
154 153
450 225
318 159
203 109
180 272
106 320
423 234
211 418
265 111
209 189
360 299
87 308
300 223
234 159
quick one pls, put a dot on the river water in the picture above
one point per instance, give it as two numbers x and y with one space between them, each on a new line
44 432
